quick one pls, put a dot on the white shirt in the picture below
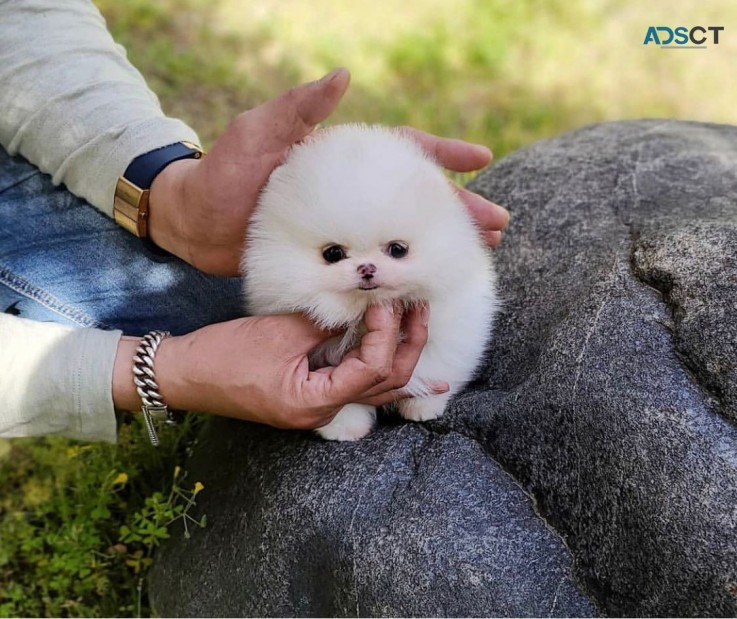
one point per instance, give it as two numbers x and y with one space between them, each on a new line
72 104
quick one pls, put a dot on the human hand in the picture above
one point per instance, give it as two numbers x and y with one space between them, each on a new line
256 368
460 156
199 208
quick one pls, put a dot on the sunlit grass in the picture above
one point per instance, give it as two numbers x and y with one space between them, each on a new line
503 73
499 72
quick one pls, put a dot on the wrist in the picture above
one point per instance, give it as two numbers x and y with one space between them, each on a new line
192 376
170 366
173 366
168 197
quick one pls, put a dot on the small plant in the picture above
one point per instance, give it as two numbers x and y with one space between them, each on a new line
79 524
150 525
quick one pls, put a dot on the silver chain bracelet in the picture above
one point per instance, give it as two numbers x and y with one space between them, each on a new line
153 407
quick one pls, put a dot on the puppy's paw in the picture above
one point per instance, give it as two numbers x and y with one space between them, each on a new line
423 409
352 422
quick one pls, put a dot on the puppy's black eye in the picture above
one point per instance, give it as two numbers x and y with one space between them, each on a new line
397 250
334 253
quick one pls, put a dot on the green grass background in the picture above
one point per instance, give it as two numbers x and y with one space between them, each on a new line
503 73
500 72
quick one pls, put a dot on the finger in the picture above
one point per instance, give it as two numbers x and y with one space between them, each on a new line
450 153
373 364
400 394
435 388
323 98
488 216
414 327
293 115
492 238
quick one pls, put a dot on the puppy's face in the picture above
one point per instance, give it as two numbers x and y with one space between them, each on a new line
369 271
356 271
362 227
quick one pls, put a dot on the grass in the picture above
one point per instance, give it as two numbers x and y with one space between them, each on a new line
503 73
498 72
79 523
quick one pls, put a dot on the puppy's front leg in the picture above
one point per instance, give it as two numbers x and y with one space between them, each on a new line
423 408
353 421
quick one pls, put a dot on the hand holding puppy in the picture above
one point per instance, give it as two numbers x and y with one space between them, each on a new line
257 369
198 207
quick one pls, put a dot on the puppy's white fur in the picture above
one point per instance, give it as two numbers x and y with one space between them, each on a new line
363 188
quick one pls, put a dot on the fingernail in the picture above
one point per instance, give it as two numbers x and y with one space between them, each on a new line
425 314
330 76
439 387
483 150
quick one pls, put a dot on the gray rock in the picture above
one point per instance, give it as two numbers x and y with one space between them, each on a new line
611 391
609 395
404 523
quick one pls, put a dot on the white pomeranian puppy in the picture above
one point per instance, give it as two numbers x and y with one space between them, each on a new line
360 215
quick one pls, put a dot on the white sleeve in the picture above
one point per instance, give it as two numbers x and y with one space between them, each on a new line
56 380
70 102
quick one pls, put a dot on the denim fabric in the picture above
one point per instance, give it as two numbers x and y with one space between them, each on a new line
61 260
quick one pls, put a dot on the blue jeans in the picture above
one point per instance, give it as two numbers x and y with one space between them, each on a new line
61 260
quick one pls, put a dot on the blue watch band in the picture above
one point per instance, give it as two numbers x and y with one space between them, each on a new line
143 169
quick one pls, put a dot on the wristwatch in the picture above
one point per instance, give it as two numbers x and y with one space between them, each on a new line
130 207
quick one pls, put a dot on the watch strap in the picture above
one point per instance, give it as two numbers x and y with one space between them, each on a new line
145 168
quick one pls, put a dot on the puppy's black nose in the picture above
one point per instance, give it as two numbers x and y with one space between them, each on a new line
366 270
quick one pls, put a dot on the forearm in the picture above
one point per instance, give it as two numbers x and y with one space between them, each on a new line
70 101
124 393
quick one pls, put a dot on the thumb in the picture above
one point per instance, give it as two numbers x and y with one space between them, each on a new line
293 115
317 100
